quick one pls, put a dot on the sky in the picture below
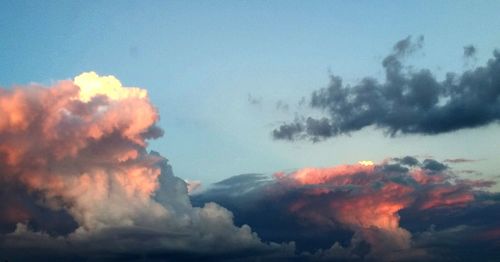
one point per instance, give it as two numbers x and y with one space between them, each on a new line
241 87
200 61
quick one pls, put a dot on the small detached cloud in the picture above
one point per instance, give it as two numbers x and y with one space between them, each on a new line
459 160
469 51
406 102
254 100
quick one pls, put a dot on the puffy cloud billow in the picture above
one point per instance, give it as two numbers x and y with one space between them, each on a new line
406 102
402 209
77 182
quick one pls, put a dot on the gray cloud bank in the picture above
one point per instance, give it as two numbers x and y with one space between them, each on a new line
406 102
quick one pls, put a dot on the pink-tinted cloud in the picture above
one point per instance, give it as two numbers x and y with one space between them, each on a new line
368 198
81 146
78 152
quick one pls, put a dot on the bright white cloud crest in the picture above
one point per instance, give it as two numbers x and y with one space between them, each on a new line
88 157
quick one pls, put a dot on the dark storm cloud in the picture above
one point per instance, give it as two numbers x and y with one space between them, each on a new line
247 197
406 102
401 210
288 131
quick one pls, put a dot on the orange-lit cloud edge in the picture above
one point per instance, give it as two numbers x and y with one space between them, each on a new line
366 198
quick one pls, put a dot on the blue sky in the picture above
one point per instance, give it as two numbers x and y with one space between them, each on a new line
201 60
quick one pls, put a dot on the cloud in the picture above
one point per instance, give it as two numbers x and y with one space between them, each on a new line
470 51
433 165
406 102
254 100
76 153
459 160
362 211
288 131
282 106
408 160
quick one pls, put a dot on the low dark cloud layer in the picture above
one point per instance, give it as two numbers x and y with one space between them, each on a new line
403 209
406 102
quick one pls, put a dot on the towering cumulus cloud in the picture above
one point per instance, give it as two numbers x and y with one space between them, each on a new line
410 102
76 180
366 211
